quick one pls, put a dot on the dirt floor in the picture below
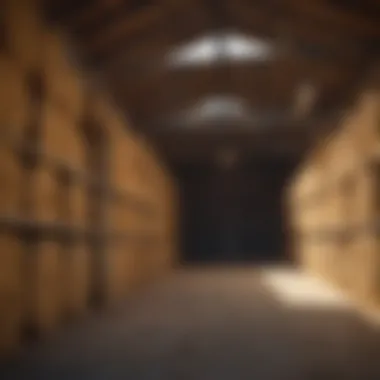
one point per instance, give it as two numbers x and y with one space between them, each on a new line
215 324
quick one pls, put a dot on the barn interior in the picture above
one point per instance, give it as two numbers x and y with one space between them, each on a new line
189 189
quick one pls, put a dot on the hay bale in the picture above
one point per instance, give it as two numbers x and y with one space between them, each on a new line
46 195
11 310
10 182
375 200
61 138
78 203
71 202
365 125
364 202
74 279
116 272
139 263
45 301
25 32
121 215
123 148
13 100
364 268
376 274
65 87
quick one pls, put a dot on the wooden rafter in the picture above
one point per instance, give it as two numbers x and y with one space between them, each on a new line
307 42
327 15
91 14
155 37
123 25
364 8
297 30
316 41
62 11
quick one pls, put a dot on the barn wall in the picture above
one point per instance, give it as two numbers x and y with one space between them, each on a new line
333 201
87 209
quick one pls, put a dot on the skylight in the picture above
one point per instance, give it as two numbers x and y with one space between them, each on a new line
219 107
226 109
221 47
222 106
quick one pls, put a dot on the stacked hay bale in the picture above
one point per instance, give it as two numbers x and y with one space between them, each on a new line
161 223
62 142
158 222
134 200
149 245
81 194
117 261
306 212
11 300
366 137
350 183
168 199
19 57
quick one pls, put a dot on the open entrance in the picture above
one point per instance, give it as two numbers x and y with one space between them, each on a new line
231 216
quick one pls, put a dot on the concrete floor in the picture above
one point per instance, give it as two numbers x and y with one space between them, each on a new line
215 323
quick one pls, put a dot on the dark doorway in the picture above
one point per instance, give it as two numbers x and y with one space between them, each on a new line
232 215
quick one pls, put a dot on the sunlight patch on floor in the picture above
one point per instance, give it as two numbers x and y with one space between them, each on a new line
296 289
299 290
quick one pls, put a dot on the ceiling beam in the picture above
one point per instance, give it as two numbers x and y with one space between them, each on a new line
61 11
127 28
368 9
181 147
196 81
90 14
151 100
124 25
148 53
114 43
286 126
148 56
330 17
292 27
